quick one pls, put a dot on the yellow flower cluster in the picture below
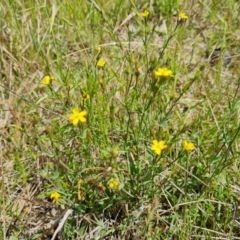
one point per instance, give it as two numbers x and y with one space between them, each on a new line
158 146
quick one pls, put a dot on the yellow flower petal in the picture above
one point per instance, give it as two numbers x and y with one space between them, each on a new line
75 121
81 116
75 111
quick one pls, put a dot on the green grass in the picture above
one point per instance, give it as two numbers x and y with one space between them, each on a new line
178 194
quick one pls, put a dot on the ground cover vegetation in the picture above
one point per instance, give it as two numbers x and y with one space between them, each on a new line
123 114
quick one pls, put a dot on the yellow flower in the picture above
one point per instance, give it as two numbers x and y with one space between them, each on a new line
163 72
113 183
85 97
101 63
145 13
55 196
188 146
47 80
77 116
99 49
114 152
158 146
183 15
